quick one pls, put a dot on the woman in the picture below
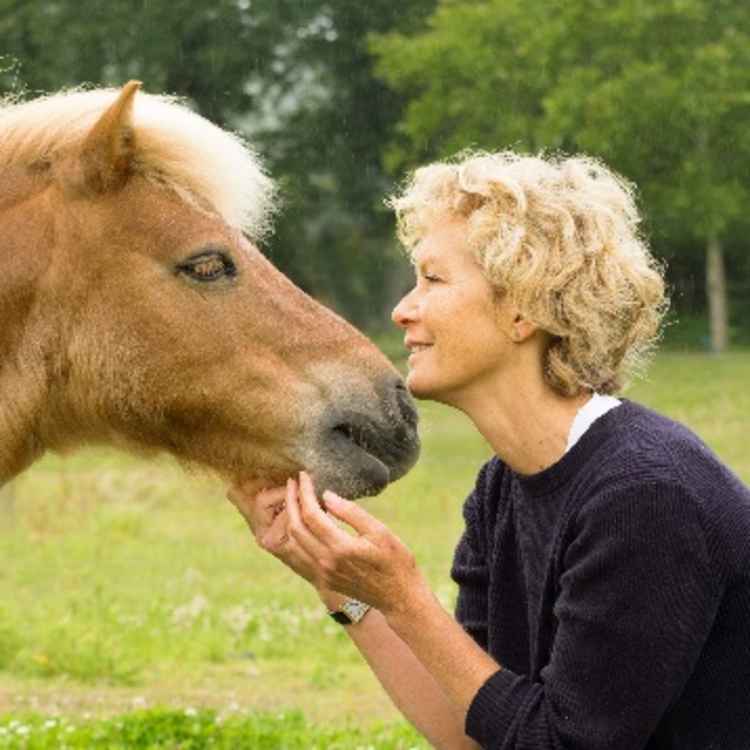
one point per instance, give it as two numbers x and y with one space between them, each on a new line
604 595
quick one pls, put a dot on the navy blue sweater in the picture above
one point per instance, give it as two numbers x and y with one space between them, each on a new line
613 588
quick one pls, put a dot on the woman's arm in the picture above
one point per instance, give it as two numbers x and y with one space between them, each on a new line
410 686
406 680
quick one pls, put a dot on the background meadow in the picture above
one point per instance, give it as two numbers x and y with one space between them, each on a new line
133 600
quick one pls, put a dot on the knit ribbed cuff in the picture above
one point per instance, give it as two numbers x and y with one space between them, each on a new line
495 706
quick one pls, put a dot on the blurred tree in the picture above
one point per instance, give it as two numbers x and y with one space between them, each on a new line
659 90
328 121
294 75
202 51
477 75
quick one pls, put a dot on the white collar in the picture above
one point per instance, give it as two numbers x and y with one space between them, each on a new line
594 408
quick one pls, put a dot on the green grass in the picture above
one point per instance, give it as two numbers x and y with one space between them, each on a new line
192 729
129 585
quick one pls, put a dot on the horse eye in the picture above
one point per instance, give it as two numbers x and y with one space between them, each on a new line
208 267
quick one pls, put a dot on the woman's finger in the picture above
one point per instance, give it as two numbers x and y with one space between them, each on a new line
277 535
260 509
297 528
353 515
278 542
314 516
246 500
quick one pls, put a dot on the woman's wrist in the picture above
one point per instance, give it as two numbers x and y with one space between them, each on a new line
419 603
332 599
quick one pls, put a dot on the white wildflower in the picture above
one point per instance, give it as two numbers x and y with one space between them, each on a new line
193 576
187 614
237 618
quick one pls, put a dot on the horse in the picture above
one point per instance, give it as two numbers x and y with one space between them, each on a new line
136 309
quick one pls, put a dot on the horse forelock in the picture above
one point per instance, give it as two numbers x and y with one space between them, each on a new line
174 146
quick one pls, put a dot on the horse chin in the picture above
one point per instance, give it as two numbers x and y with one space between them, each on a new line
371 478
364 484
353 472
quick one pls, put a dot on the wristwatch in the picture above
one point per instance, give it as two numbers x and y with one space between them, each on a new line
350 613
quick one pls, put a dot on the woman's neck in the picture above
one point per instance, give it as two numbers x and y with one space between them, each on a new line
527 424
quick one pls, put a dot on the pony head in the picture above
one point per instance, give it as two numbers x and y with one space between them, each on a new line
138 311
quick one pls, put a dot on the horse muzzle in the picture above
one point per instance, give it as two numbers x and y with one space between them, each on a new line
364 450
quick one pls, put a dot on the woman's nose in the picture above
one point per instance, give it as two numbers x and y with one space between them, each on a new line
404 312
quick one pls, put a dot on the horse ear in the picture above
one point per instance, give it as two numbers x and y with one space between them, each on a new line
109 148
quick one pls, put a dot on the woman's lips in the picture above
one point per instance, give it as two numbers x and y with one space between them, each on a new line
417 349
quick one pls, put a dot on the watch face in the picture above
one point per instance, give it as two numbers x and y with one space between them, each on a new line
351 612
355 610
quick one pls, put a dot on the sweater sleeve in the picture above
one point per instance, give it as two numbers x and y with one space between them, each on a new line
470 567
635 603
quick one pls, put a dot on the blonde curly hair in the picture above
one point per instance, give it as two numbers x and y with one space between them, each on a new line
560 236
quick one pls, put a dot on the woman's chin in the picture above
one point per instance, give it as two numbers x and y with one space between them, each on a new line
419 387
424 389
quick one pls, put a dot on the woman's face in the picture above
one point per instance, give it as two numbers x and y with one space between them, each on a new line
457 332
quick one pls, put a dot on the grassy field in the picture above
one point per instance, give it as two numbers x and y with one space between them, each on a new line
131 587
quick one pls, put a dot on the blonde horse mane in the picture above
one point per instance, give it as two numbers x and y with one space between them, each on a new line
206 165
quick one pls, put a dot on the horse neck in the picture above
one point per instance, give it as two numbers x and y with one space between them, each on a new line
26 334
21 402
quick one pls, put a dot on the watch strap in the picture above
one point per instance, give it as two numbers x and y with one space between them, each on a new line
340 617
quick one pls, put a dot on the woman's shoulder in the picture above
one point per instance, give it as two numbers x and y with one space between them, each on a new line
656 465
659 448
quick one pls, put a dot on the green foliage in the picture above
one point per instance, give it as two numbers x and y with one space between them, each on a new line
326 140
475 77
194 730
662 94
659 90
196 51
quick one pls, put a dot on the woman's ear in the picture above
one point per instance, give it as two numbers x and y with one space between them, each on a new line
521 329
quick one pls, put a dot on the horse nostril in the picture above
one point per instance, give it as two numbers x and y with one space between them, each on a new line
406 404
354 433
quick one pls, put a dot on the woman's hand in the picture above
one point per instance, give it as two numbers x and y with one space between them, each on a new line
266 516
372 565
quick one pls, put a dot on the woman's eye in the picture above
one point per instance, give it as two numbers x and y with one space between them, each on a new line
208 267
431 278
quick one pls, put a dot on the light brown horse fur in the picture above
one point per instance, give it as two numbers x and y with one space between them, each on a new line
110 203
